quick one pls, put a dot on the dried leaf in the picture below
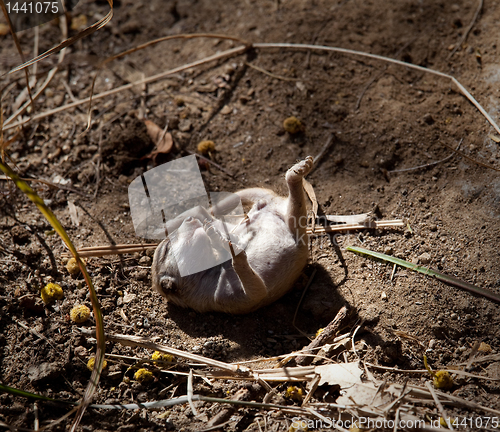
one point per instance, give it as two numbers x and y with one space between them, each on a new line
485 348
163 140
343 374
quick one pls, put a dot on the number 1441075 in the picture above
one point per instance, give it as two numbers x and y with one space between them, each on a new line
32 7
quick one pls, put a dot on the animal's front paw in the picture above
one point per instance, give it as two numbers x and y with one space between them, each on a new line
219 240
300 170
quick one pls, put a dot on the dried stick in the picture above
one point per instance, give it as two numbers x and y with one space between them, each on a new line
325 148
228 53
99 251
462 89
469 28
439 405
326 336
129 340
42 88
429 164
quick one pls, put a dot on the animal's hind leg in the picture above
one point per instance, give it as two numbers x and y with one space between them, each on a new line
253 285
296 212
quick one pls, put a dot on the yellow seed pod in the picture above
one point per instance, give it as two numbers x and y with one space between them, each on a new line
300 428
293 125
72 267
91 363
319 332
442 422
205 147
294 393
51 292
160 357
143 376
79 314
443 380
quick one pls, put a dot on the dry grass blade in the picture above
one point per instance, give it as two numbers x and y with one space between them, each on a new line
172 37
84 33
439 405
322 152
229 53
47 81
462 89
128 340
468 29
99 251
471 159
148 44
449 369
51 218
427 165
279 77
18 46
394 223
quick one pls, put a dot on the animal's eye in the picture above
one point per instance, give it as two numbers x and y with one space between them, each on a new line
168 284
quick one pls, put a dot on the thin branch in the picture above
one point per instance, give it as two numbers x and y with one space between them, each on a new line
439 405
462 89
228 53
467 31
429 164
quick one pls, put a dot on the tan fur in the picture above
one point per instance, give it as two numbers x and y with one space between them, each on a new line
274 257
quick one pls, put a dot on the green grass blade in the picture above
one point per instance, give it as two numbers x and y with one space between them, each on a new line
51 218
428 271
21 393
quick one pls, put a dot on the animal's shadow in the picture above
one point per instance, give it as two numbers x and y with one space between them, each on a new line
270 330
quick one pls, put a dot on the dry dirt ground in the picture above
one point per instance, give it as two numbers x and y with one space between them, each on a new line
383 118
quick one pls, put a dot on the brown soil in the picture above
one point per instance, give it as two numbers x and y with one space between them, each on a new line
383 119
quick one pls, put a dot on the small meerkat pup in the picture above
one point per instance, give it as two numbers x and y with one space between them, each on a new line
272 243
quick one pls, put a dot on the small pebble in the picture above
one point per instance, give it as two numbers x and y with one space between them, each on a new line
427 118
145 261
425 258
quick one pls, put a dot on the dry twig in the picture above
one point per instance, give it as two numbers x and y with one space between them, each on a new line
326 336
468 29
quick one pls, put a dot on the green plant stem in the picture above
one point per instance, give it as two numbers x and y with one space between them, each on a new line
429 272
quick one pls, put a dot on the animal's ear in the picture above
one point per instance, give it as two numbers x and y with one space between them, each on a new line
168 285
